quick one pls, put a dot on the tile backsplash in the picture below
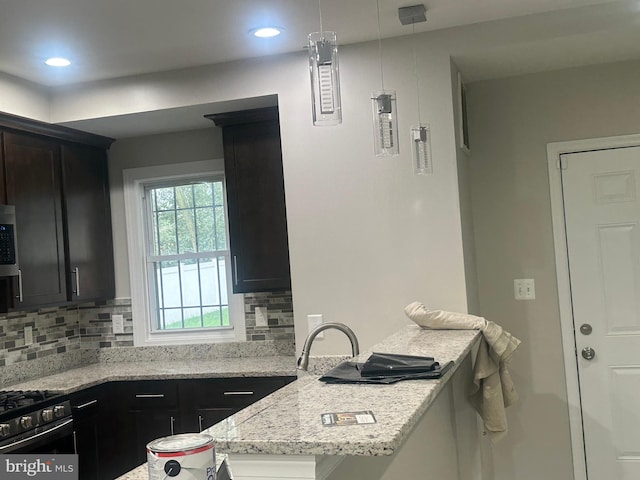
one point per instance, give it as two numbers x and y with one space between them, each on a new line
96 328
279 309
54 330
80 332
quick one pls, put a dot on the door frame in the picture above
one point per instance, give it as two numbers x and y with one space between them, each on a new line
554 151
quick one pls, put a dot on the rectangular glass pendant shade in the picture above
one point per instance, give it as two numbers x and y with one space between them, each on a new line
421 150
325 78
385 123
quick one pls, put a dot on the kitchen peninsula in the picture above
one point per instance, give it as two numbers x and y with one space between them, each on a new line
424 428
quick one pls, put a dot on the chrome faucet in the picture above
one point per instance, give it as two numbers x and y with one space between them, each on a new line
303 361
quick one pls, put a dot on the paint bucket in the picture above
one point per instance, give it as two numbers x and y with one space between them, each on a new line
187 456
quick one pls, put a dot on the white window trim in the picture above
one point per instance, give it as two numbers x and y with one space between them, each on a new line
134 181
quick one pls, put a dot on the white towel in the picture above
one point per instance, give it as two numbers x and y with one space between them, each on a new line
493 388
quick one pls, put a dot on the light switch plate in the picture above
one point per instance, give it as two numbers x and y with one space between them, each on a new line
118 323
524 289
261 317
313 321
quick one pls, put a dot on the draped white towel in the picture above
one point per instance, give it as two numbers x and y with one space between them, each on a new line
493 388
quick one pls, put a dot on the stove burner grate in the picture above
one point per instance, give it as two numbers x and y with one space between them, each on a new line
14 399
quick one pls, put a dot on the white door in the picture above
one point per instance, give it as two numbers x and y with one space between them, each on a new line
602 215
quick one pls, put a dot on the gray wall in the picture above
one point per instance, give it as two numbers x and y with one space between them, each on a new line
166 149
464 195
511 122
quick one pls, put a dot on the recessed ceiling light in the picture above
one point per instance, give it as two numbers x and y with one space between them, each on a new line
267 32
57 62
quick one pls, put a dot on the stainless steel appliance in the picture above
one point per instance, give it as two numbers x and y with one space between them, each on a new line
35 422
8 242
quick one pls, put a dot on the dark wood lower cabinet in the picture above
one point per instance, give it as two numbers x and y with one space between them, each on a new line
152 412
152 424
115 421
207 417
86 406
207 402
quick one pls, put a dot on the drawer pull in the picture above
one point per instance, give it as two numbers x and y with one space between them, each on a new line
238 393
85 405
149 395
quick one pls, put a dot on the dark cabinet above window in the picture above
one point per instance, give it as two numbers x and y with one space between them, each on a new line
256 200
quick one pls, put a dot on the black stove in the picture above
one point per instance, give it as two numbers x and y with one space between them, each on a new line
15 400
29 414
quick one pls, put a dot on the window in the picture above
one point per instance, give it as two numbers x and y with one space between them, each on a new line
187 255
179 257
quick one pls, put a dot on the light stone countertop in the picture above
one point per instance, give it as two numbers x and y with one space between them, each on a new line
288 422
84 377
140 473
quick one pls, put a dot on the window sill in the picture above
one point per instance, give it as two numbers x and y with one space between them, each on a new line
185 338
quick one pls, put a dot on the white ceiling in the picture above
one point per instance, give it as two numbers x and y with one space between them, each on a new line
113 38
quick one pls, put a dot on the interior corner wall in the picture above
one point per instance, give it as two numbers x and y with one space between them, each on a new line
149 151
511 122
366 236
463 159
19 97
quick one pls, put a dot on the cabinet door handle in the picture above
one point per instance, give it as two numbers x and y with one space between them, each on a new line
149 395
76 272
19 296
200 422
85 405
238 393
235 269
75 443
172 422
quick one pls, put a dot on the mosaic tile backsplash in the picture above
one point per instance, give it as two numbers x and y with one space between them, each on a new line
54 330
279 316
80 334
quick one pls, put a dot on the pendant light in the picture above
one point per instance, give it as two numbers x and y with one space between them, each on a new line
420 135
325 77
385 117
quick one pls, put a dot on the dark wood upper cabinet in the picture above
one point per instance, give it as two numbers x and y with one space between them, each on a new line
85 186
63 221
255 200
32 166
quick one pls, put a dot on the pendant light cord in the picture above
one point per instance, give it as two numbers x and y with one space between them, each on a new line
380 45
320 12
415 71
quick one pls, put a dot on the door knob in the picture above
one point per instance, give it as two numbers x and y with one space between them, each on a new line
586 329
588 353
